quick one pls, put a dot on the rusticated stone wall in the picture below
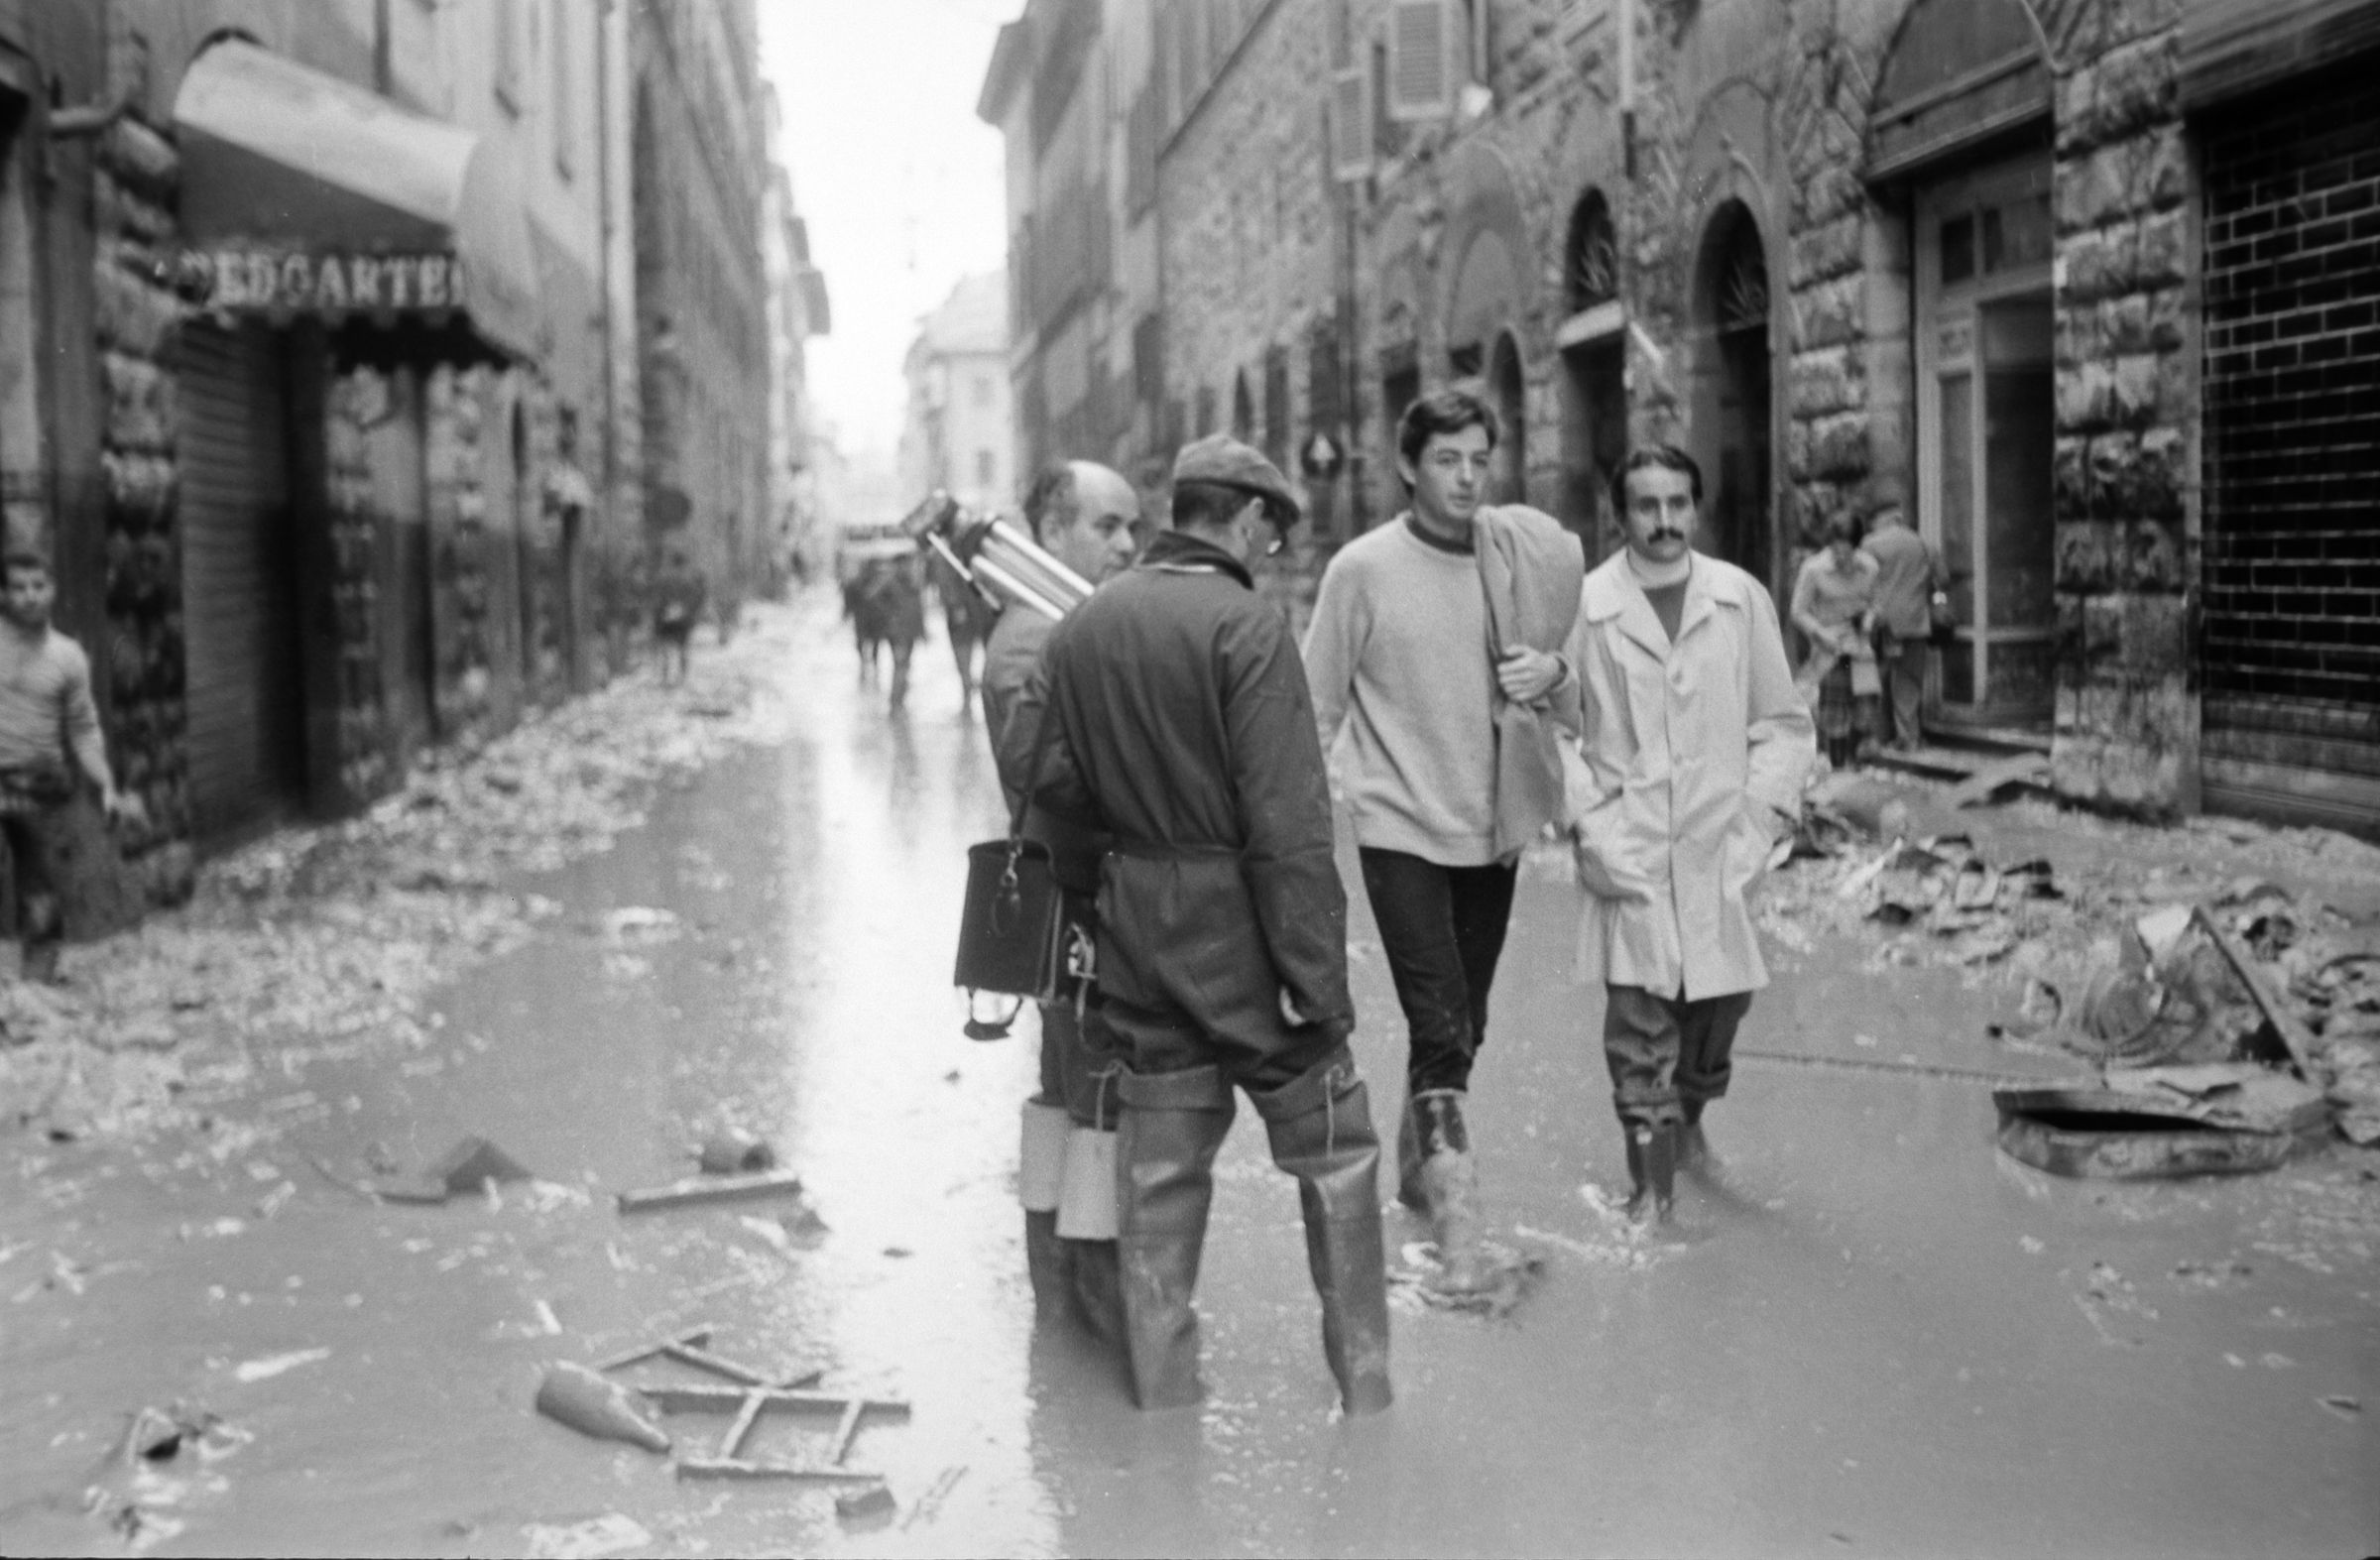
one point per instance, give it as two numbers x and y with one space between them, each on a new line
455 413
365 771
135 181
2127 717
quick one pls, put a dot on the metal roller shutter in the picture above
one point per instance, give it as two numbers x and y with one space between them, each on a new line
238 606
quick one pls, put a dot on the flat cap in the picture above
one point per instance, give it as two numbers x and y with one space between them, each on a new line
1225 461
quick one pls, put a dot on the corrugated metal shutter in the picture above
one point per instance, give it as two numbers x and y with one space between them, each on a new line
238 581
1421 71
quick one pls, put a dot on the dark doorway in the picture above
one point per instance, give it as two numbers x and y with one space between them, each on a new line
1595 440
1734 397
1509 389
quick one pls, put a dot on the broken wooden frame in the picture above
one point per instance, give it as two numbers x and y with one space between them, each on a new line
752 1396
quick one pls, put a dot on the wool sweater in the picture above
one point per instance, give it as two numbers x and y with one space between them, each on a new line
1398 661
46 714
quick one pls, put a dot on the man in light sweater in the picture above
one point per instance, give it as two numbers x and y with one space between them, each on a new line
1403 655
49 729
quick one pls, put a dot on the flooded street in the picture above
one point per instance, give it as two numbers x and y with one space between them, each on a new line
1896 1341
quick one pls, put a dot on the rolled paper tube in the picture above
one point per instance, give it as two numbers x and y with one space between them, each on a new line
596 1406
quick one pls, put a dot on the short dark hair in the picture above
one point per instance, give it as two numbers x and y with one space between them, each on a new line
1665 458
1051 495
1844 527
1209 503
1443 412
22 561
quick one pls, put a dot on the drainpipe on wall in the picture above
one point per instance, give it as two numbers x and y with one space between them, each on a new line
603 274
1627 86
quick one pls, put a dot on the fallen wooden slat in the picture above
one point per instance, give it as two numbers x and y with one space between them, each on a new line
697 1190
840 1447
735 1468
2291 1030
739 1430
679 1398
691 1338
703 1360
1978 786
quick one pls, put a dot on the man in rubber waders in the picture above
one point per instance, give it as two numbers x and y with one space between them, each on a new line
1082 515
1695 742
1184 729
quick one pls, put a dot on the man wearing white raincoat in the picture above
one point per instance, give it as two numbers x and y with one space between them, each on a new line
1696 743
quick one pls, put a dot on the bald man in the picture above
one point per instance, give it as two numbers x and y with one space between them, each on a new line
1082 515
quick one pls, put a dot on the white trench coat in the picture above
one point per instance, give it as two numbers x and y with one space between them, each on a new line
1680 743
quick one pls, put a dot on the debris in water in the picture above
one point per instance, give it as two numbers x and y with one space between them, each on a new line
871 1504
471 1165
1509 1275
588 1540
275 1364
640 924
596 1406
2347 1408
711 1189
729 1153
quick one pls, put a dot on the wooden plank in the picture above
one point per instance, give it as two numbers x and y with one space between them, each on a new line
683 1397
849 1426
2291 1030
739 1429
703 1360
698 1190
735 1468
693 1337
1978 786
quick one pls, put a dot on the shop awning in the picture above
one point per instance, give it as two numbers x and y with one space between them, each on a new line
305 195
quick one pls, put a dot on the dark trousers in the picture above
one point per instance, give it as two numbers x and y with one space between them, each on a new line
1442 928
1668 1055
1257 1055
1903 664
35 837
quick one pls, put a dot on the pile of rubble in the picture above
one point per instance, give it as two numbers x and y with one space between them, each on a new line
2162 975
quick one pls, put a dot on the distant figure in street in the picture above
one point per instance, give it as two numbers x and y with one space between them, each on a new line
1082 515
1404 652
679 596
1834 605
1696 744
1908 572
1182 726
887 608
49 730
965 617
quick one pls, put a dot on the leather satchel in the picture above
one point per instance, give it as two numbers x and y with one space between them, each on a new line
1019 934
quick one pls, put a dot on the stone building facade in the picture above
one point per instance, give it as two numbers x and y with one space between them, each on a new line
2068 278
957 429
318 379
699 188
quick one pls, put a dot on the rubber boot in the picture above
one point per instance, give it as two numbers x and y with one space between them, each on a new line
1694 1149
1173 1125
45 934
1320 1129
1409 1190
1045 1262
1448 1178
1653 1171
1098 1294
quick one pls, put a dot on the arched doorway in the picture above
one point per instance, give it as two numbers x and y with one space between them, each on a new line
1594 397
1734 394
1509 391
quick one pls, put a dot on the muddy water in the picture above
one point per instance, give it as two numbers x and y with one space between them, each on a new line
1894 1342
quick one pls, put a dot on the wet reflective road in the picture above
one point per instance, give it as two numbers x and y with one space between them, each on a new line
1897 1343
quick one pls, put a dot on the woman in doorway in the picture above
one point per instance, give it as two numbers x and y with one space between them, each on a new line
1834 605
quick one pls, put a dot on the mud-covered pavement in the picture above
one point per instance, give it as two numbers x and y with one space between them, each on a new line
1894 1342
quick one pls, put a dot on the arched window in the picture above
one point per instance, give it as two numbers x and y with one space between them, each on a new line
1734 392
1591 260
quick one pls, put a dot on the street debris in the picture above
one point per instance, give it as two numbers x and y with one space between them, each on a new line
276 1365
154 1468
1508 1277
927 1506
749 1395
2158 1122
471 1165
589 1541
701 1189
730 1153
862 1508
596 1406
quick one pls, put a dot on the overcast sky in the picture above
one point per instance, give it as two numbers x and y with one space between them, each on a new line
901 183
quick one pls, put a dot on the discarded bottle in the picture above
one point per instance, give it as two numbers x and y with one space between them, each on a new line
595 1404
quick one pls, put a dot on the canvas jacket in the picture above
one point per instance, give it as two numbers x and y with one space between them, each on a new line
1682 744
1185 730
